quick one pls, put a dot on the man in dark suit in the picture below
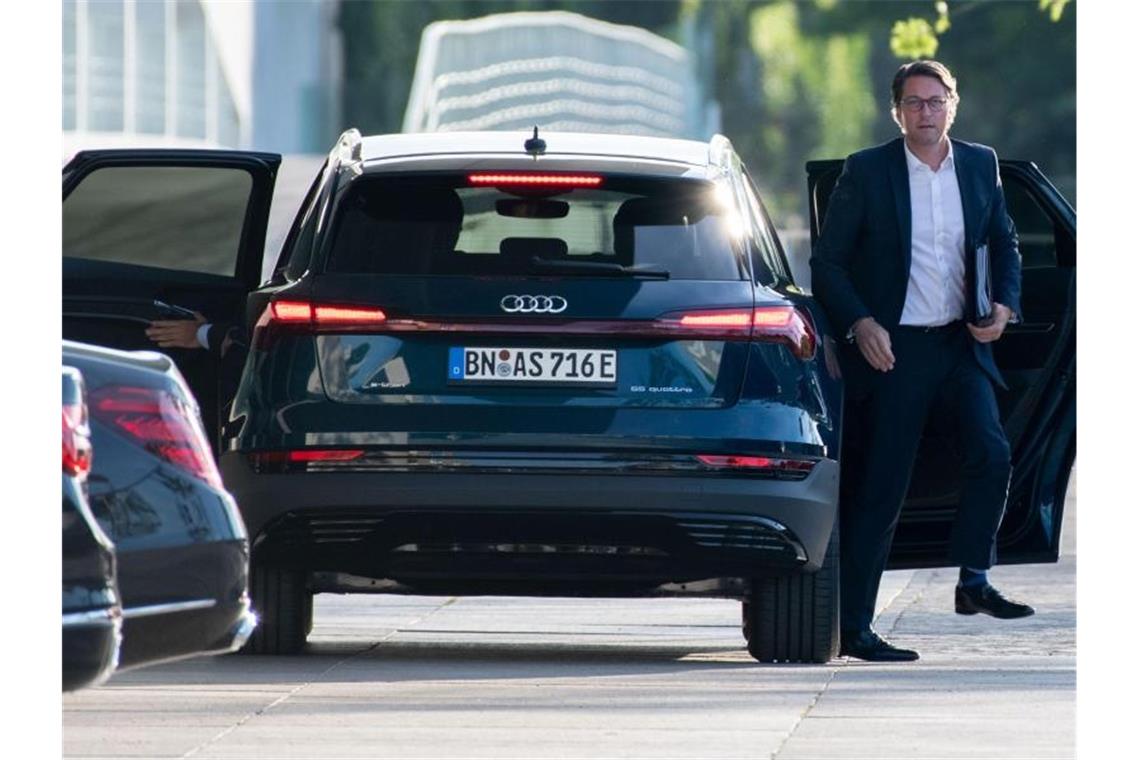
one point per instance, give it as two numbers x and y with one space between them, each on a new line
913 230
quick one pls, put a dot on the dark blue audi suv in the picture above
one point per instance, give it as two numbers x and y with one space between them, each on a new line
534 364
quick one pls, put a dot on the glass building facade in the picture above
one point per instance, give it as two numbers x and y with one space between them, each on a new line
147 68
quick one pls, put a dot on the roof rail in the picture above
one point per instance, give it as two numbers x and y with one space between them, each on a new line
721 152
348 148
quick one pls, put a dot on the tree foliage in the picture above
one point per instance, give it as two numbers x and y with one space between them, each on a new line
915 38
795 80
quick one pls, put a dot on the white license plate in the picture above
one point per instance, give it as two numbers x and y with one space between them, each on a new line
569 366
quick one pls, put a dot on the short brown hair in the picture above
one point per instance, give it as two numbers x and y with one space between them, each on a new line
932 69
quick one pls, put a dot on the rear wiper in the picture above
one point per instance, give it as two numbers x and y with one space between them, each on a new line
603 268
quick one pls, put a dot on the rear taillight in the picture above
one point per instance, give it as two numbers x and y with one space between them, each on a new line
308 316
768 324
299 459
305 313
160 422
779 466
76 440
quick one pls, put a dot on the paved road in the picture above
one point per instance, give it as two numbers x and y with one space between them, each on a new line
416 677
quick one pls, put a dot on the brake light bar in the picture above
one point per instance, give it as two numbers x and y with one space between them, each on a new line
161 423
771 465
299 459
310 455
770 324
728 319
323 315
534 178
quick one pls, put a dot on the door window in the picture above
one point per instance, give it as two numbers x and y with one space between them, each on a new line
173 217
1042 243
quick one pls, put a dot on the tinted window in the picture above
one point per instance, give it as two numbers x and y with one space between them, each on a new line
771 264
185 218
439 225
1035 229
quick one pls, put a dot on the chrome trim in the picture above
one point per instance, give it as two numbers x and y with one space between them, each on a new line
243 630
90 617
527 304
163 609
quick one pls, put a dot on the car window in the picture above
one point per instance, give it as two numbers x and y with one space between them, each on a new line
175 217
442 225
297 248
1038 238
772 260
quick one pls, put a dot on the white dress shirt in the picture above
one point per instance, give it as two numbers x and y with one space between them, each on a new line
936 290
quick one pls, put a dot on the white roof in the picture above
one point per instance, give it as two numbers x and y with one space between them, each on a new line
560 147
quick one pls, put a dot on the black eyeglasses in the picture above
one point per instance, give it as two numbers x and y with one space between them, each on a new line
914 105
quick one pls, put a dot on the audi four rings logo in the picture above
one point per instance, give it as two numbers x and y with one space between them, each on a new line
533 304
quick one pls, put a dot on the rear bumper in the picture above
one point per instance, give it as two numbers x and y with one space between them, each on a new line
91 641
563 533
187 629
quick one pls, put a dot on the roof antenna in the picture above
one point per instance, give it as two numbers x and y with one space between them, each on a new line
535 146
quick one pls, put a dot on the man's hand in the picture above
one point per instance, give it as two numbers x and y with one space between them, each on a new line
991 329
875 344
176 333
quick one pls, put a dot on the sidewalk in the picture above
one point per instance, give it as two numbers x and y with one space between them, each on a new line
984 688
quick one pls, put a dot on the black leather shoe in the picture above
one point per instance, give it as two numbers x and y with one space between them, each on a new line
984 598
868 645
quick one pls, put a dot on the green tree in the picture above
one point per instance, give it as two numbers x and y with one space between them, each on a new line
794 80
916 38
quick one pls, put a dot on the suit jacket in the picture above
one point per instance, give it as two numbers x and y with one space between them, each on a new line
861 262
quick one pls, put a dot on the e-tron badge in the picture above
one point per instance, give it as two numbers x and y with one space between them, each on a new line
527 304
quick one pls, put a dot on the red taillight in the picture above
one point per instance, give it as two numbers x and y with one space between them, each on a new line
298 459
531 179
741 320
785 324
327 315
291 311
776 324
303 312
772 465
309 455
161 423
313 316
76 441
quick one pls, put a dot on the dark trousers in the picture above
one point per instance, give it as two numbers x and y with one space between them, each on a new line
935 372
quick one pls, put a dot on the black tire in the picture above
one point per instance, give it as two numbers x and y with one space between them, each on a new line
308 616
284 610
795 618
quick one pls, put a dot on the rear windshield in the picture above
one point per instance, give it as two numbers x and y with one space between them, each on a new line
443 225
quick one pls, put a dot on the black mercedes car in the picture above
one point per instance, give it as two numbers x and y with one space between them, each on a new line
180 545
92 615
539 364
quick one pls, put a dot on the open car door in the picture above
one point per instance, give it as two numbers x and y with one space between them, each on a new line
1037 357
148 232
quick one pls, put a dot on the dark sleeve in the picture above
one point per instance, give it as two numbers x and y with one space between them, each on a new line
1005 258
834 252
